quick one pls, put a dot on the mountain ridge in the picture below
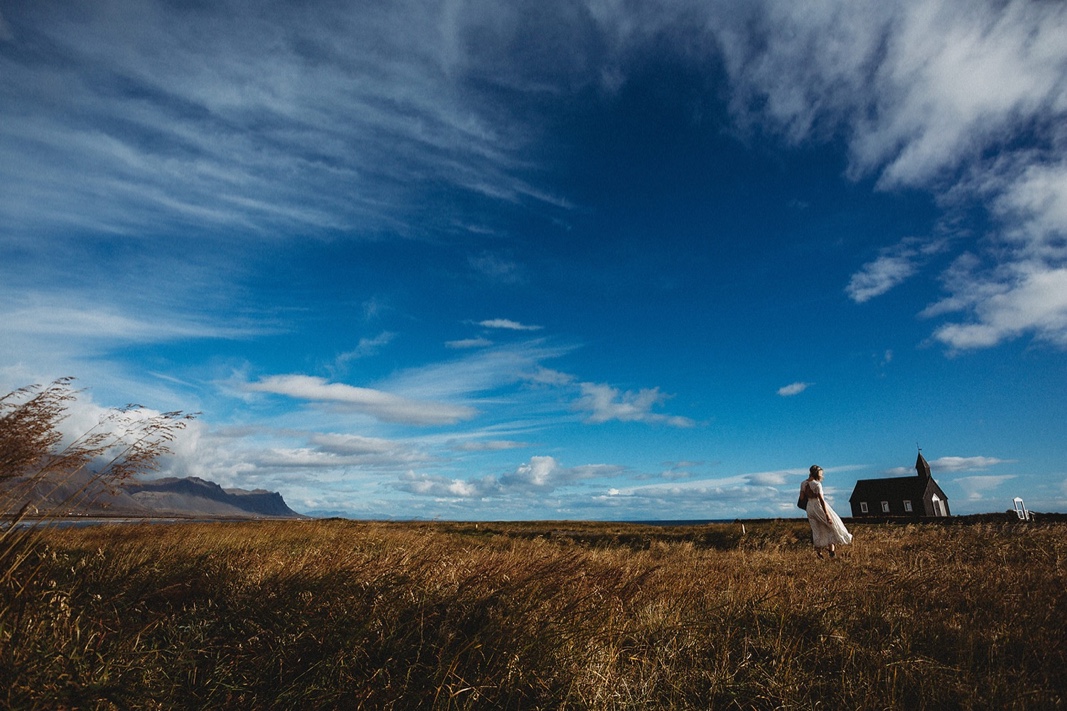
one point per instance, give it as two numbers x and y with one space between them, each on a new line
179 494
185 497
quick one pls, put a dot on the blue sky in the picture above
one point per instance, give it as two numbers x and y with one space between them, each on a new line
563 260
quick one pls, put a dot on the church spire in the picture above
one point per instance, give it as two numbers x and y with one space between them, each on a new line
922 467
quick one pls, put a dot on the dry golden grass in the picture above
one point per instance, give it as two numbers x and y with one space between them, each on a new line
336 614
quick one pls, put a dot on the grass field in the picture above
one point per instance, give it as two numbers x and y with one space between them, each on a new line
342 614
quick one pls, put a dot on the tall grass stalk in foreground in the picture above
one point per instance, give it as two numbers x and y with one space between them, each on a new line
36 464
46 474
334 614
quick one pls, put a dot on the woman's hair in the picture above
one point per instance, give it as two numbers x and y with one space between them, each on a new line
815 470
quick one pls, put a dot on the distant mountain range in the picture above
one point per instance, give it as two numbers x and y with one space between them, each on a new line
200 497
189 497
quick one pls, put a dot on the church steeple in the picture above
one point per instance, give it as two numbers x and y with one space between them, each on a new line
922 467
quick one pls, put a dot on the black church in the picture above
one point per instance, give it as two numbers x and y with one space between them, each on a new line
905 496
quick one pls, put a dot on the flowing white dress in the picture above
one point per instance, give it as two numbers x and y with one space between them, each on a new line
824 532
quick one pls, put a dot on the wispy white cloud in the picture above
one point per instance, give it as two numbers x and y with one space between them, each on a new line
920 87
679 470
465 343
893 266
479 371
963 464
950 465
497 268
443 487
1022 287
982 487
71 332
547 376
295 461
768 478
106 324
365 348
793 389
924 91
541 475
497 445
963 76
545 474
304 460
878 277
362 448
220 117
508 324
605 403
384 406
1005 303
737 483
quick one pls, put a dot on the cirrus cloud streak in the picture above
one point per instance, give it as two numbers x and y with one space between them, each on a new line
383 406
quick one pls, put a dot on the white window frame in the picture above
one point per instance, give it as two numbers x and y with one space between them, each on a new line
907 505
885 507
863 507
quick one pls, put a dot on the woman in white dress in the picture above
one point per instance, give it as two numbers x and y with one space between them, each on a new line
827 530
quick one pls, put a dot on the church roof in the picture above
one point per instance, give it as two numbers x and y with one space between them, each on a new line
902 487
